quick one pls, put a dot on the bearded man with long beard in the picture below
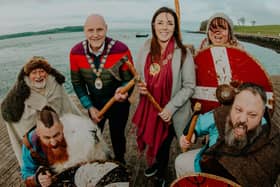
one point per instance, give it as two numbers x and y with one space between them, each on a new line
243 145
38 84
57 144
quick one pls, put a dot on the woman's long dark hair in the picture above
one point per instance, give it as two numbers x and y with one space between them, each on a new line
155 47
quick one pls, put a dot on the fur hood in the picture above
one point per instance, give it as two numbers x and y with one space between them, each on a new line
12 106
220 15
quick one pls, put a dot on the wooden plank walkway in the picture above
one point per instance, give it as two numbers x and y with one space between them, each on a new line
10 171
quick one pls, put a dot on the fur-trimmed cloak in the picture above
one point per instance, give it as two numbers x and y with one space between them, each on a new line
257 164
84 142
20 106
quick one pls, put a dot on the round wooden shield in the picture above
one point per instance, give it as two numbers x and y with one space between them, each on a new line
203 180
219 65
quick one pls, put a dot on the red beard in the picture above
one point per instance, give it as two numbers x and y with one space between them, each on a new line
56 154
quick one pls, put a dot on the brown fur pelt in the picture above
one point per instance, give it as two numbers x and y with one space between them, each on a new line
12 106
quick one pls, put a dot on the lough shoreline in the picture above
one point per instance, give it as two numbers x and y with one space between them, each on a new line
264 41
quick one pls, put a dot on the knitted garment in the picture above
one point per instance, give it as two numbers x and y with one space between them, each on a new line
83 78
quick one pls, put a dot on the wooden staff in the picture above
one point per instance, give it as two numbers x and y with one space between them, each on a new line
177 8
149 96
123 90
127 87
188 137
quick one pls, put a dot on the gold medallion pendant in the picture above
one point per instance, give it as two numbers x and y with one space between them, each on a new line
98 83
154 69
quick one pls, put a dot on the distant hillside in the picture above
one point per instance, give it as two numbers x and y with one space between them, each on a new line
50 31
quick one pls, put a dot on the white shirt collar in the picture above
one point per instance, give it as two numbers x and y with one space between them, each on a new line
100 50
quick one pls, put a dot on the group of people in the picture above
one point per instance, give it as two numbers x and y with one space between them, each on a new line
243 145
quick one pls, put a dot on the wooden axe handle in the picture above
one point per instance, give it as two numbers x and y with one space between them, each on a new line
124 89
149 95
188 137
131 68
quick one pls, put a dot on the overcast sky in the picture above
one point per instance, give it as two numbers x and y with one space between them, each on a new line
32 15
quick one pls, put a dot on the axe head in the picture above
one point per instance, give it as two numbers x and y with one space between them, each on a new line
115 69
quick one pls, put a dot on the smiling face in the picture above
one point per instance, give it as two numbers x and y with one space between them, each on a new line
164 26
95 30
38 78
219 32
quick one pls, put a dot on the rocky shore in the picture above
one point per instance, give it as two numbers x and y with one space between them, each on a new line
264 41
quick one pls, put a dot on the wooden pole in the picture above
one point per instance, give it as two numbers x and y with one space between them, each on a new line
177 9
127 87
124 89
149 95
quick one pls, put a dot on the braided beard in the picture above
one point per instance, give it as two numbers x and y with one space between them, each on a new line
241 141
230 139
56 154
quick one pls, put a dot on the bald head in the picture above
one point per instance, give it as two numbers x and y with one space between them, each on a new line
95 18
95 29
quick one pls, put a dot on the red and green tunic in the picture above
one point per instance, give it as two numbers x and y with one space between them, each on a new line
83 78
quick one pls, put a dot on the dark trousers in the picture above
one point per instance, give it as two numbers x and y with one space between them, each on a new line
117 116
162 157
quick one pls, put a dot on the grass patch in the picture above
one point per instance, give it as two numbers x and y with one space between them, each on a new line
267 30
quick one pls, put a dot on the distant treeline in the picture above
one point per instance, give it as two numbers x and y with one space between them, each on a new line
50 31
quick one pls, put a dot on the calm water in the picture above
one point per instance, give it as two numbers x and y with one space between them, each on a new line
55 47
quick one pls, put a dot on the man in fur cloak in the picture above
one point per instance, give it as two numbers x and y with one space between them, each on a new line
243 142
37 85
68 151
